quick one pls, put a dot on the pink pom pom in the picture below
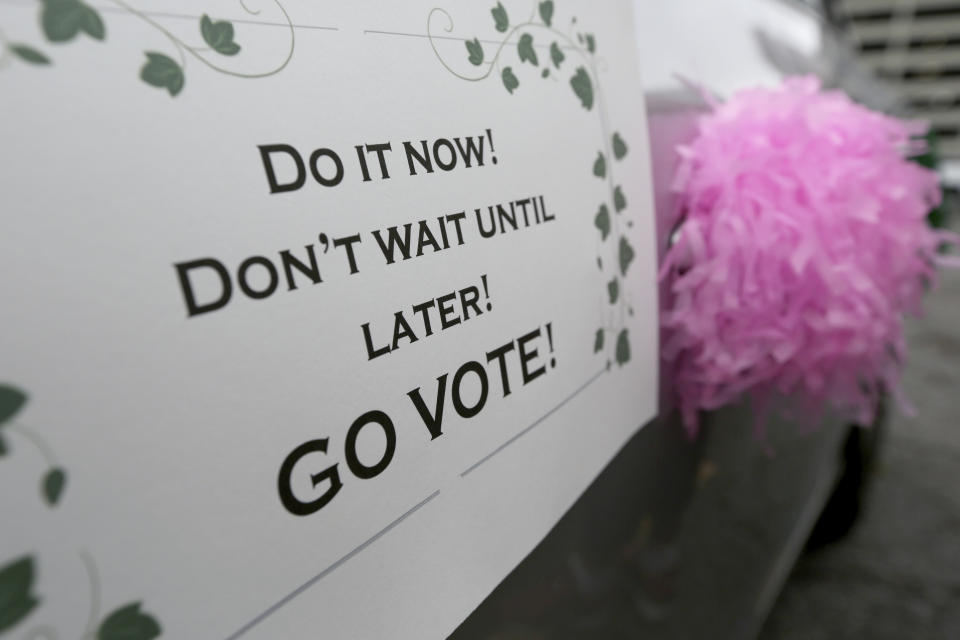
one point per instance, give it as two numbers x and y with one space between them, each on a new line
804 243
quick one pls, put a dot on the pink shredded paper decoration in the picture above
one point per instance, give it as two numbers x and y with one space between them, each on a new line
803 245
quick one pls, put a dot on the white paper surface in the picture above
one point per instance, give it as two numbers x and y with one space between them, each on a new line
171 429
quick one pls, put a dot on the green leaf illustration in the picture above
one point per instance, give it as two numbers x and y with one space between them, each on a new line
598 341
619 147
546 11
623 348
545 72
626 255
613 288
509 80
11 401
16 602
591 43
619 201
580 82
475 51
600 166
29 54
128 623
526 51
3 447
602 221
556 54
93 24
219 35
161 71
62 20
500 17
53 484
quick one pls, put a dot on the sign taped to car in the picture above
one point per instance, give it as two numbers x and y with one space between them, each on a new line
317 317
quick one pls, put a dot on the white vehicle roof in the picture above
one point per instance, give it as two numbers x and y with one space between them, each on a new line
715 43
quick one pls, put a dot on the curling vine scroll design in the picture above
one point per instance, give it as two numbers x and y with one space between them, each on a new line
523 39
63 21
18 598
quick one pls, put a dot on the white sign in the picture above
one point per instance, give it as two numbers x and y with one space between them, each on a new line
316 317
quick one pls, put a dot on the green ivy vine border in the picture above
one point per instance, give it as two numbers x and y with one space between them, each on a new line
584 82
62 21
17 597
